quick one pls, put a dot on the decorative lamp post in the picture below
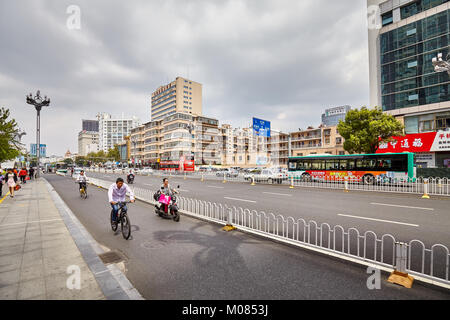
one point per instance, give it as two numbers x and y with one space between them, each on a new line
38 103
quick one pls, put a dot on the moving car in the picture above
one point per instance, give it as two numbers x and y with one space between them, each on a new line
268 175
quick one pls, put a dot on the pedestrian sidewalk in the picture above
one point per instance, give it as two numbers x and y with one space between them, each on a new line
39 259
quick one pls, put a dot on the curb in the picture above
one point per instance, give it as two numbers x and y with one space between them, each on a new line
112 281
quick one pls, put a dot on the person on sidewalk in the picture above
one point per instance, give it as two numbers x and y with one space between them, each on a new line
2 181
11 180
22 175
31 173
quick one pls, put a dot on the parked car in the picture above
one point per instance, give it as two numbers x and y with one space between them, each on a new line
268 175
229 173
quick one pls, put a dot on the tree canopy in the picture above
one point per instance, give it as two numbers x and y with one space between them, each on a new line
364 130
9 140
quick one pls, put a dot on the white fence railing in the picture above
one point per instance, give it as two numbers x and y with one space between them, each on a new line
430 264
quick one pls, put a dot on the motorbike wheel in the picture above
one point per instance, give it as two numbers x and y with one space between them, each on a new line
177 217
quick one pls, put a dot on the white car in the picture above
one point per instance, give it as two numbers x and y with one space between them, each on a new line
146 171
268 175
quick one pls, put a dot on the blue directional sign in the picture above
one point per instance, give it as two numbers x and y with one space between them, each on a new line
261 127
42 150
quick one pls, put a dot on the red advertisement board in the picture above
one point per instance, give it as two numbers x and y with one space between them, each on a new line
420 142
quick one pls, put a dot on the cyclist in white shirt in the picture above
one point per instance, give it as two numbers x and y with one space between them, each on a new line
117 192
82 179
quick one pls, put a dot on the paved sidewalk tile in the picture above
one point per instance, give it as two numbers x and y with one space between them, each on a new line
38 256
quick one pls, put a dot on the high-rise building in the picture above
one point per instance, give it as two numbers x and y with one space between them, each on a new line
112 131
88 141
90 125
332 116
407 35
179 96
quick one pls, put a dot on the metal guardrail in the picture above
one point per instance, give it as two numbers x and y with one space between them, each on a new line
430 264
431 186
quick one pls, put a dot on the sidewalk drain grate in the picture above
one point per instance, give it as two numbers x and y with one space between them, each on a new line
111 257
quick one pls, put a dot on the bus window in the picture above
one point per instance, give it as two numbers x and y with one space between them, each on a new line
385 164
317 164
343 164
350 164
293 165
332 165
307 164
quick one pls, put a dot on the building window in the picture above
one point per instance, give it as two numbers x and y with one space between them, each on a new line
387 18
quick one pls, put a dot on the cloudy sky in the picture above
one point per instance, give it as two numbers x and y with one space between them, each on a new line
280 60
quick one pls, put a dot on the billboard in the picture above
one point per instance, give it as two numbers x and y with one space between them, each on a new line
261 127
419 142
42 150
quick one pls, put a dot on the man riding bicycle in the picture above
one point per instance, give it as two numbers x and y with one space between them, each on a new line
82 179
117 193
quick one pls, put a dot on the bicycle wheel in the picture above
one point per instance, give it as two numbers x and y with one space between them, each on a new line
113 224
85 195
125 226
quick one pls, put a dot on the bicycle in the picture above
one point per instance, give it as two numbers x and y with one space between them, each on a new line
125 224
83 191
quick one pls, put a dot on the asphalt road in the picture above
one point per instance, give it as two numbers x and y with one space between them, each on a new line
405 216
197 260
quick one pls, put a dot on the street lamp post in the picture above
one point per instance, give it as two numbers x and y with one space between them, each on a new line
38 103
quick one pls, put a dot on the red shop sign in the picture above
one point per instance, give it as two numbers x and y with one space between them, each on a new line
420 142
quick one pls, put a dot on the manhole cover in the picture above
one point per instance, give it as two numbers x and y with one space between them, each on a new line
111 257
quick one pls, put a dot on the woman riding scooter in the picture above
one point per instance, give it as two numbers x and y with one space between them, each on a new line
170 208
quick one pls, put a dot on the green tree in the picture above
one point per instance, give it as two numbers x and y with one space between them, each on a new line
114 153
364 130
9 141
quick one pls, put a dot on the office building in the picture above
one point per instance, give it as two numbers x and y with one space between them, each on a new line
332 116
403 81
89 125
179 96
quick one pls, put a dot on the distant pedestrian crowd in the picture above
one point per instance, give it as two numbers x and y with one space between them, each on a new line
13 178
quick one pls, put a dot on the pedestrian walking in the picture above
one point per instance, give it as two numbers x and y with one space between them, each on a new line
31 171
11 180
2 182
23 174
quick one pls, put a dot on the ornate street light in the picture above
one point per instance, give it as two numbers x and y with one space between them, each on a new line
38 103
441 65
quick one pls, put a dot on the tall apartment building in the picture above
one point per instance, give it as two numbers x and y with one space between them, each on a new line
176 136
88 141
322 140
179 96
112 131
402 77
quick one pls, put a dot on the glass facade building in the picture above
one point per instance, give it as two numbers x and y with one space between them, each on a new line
408 78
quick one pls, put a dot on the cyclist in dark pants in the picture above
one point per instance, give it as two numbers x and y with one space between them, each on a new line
117 192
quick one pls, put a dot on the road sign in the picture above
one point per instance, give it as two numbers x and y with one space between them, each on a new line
42 150
261 127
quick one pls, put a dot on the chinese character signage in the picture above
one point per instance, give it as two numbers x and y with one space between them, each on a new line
261 127
420 142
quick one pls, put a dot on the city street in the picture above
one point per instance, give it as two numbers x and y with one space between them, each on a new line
197 260
405 216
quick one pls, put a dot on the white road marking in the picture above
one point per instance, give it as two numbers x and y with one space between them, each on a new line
279 194
240 199
216 187
148 184
379 220
183 190
398 206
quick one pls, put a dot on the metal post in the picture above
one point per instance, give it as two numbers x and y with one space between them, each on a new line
38 141
399 275
292 183
425 189
346 184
